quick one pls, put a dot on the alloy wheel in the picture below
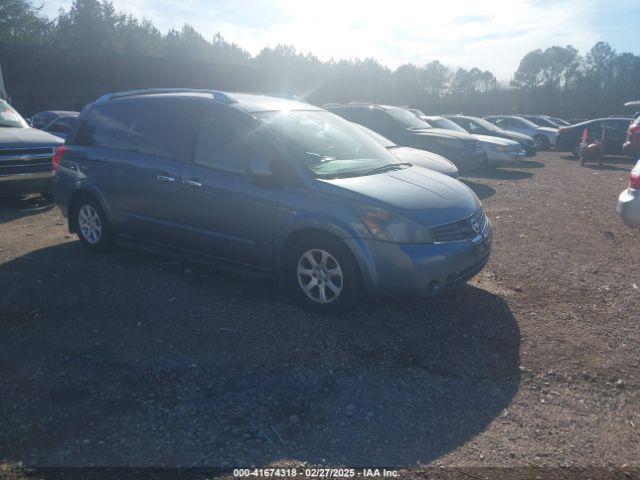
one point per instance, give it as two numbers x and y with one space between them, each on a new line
320 276
89 224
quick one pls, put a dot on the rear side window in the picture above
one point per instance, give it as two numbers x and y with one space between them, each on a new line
227 142
163 127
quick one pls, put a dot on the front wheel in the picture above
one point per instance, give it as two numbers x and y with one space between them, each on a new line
92 225
323 275
577 150
542 142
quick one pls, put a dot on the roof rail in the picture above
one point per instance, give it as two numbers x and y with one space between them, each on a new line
215 94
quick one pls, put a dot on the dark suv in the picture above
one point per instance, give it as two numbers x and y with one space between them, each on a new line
406 129
25 155
270 185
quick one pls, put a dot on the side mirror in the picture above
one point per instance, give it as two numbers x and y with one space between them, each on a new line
260 167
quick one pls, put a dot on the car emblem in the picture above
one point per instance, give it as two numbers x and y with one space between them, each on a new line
475 226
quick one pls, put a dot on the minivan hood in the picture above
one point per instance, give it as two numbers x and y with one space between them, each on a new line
27 137
428 197
424 159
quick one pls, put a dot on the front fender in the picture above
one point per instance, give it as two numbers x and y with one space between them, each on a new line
348 228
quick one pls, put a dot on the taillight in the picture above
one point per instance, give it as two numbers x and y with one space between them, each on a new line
60 151
634 131
634 181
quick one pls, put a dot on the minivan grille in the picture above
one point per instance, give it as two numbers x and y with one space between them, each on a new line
465 229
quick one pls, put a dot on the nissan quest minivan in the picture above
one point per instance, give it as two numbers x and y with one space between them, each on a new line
268 185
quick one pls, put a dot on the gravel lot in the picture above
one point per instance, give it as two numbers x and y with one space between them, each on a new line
134 359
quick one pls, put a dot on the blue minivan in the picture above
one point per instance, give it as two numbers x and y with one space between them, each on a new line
268 185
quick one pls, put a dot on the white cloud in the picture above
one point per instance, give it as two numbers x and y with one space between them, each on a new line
492 34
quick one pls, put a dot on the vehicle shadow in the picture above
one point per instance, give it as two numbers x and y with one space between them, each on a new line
13 208
132 359
528 164
498 174
481 190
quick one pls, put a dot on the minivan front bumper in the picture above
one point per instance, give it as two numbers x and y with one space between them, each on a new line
399 269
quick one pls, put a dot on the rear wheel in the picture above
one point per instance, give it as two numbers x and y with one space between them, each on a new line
322 274
92 225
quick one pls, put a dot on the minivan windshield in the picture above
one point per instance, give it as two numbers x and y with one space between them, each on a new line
9 118
385 142
329 145
407 119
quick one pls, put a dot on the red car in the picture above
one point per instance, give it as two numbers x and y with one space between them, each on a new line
632 145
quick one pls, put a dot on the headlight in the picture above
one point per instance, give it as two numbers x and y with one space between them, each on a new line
389 227
500 148
449 142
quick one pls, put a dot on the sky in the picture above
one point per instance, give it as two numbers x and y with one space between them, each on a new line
489 34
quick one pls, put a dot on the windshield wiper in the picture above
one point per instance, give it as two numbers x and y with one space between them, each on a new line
388 167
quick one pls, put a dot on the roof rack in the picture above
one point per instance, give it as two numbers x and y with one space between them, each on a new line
215 94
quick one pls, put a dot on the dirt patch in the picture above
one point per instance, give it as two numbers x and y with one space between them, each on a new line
133 359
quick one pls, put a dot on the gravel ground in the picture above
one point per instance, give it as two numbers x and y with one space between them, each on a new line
134 359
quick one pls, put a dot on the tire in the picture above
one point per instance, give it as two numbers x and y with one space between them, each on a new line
92 225
542 142
576 150
311 262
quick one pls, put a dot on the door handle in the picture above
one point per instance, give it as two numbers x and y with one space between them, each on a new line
166 178
192 183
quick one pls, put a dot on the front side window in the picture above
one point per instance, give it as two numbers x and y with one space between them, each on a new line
163 127
9 118
326 144
228 143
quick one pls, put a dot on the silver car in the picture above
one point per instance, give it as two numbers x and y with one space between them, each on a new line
545 137
420 158
497 151
629 200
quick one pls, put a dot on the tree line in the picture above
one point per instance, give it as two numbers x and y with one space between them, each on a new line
556 81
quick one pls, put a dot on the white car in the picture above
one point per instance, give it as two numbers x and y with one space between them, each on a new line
545 137
498 151
629 200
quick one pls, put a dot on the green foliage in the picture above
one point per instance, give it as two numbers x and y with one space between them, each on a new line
557 80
